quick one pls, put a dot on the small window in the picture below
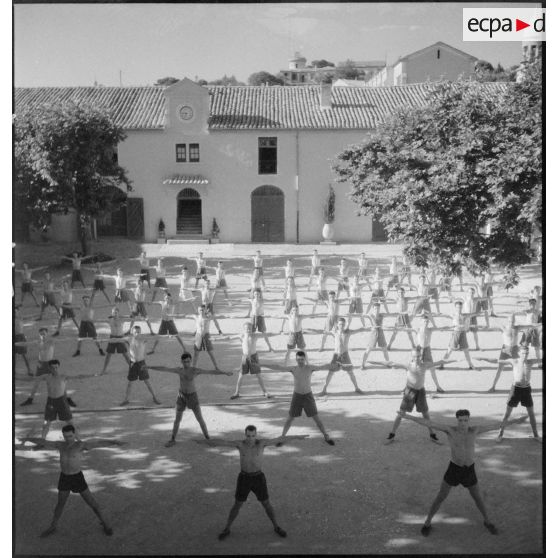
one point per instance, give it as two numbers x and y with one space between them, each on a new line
267 151
180 152
194 152
438 54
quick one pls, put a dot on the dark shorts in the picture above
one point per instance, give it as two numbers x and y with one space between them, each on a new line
205 344
87 329
296 339
98 285
336 359
343 285
138 371
403 320
377 338
322 295
251 482
57 408
414 397
421 304
201 273
489 291
260 270
289 305
304 401
508 352
42 368
121 296
49 299
433 293
531 337
117 347
355 306
250 365
378 293
73 483
427 354
456 475
139 310
145 274
167 327
362 272
222 283
161 282
77 276
18 338
445 285
521 395
187 401
67 312
258 324
458 341
483 305
27 287
393 280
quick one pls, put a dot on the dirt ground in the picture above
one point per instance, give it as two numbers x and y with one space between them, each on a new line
358 497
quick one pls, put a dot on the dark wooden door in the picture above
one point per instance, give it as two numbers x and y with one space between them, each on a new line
189 216
114 223
134 218
268 214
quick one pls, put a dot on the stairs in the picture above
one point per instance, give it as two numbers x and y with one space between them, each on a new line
189 224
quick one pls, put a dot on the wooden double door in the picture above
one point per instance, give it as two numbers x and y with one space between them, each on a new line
268 214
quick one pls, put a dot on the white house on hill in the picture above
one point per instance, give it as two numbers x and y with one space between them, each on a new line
255 159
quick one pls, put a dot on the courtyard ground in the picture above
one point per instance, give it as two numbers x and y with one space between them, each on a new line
358 497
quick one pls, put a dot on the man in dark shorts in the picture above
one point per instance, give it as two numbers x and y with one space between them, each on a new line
461 470
187 394
251 477
116 343
76 268
71 478
87 326
303 398
19 337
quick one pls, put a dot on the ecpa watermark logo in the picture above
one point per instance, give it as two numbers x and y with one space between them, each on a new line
504 24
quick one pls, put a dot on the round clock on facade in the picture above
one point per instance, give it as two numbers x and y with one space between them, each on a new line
186 112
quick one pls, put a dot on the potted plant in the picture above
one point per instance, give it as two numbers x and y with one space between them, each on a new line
329 215
215 230
162 235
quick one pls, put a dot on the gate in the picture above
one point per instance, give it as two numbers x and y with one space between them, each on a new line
268 214
189 212
134 217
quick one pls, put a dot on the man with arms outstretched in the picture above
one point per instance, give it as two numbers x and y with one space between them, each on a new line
71 477
187 395
303 398
461 469
251 477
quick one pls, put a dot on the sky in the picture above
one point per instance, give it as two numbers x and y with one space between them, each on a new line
71 44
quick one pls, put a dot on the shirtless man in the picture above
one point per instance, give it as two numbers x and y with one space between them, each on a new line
49 298
116 324
160 278
403 322
167 326
66 308
87 326
303 398
71 477
57 402
145 272
258 267
355 296
256 315
341 336
531 336
378 294
98 282
362 272
140 310
424 336
422 303
320 289
377 336
393 279
121 294
294 329
19 337
27 281
458 339
314 267
472 306
406 270
414 393
251 477
332 304
187 395
202 338
76 268
289 300
185 294
249 363
343 277
138 368
207 298
289 271
201 271
461 470
221 280
520 391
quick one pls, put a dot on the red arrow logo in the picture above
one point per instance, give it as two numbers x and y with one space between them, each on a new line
519 25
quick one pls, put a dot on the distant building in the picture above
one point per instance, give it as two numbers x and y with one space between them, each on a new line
349 83
433 63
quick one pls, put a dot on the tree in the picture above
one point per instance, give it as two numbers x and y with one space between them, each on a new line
226 80
347 70
263 78
63 159
484 71
437 176
166 81
322 63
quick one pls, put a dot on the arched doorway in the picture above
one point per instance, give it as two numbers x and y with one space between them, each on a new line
115 221
188 212
268 214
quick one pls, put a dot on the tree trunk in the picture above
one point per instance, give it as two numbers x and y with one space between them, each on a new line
83 230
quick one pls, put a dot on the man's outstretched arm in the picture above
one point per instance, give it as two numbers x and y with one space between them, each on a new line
101 443
44 444
275 367
216 442
273 441
163 369
424 422
214 372
496 426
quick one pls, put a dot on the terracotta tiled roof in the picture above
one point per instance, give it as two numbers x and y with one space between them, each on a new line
250 107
